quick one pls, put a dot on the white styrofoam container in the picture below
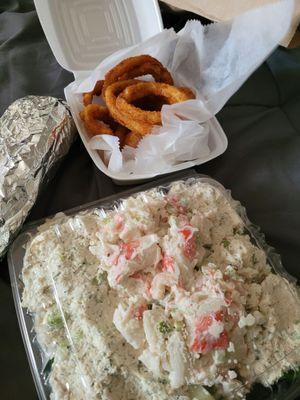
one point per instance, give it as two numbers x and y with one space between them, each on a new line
81 33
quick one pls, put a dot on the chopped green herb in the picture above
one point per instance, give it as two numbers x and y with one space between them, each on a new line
79 335
94 281
165 328
149 306
102 277
98 280
163 381
48 367
254 259
184 202
178 325
138 218
55 320
106 220
225 243
198 240
65 345
170 209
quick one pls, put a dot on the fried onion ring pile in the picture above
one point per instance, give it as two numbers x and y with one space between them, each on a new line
133 106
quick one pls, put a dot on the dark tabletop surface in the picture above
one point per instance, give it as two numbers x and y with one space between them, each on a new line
261 165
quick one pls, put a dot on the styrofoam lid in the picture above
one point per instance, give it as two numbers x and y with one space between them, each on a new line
81 33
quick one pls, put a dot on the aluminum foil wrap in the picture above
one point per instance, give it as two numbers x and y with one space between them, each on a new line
35 133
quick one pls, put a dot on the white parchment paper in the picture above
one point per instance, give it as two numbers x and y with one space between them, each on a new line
214 61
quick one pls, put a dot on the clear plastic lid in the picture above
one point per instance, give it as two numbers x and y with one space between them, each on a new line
91 329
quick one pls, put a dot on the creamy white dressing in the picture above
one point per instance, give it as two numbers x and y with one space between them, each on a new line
157 299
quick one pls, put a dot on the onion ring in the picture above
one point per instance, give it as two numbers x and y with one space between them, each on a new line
150 103
132 139
124 106
122 118
171 93
148 68
188 92
96 120
88 96
133 67
121 132
142 89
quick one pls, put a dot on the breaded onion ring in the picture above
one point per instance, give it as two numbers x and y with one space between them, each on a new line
88 96
150 103
121 132
143 89
132 139
172 94
188 92
133 67
97 120
126 120
123 105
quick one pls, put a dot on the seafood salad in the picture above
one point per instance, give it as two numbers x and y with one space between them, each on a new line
165 297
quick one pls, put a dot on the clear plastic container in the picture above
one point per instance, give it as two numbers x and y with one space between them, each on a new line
40 360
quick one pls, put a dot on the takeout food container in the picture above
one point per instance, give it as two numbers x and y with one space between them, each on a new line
83 33
39 361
